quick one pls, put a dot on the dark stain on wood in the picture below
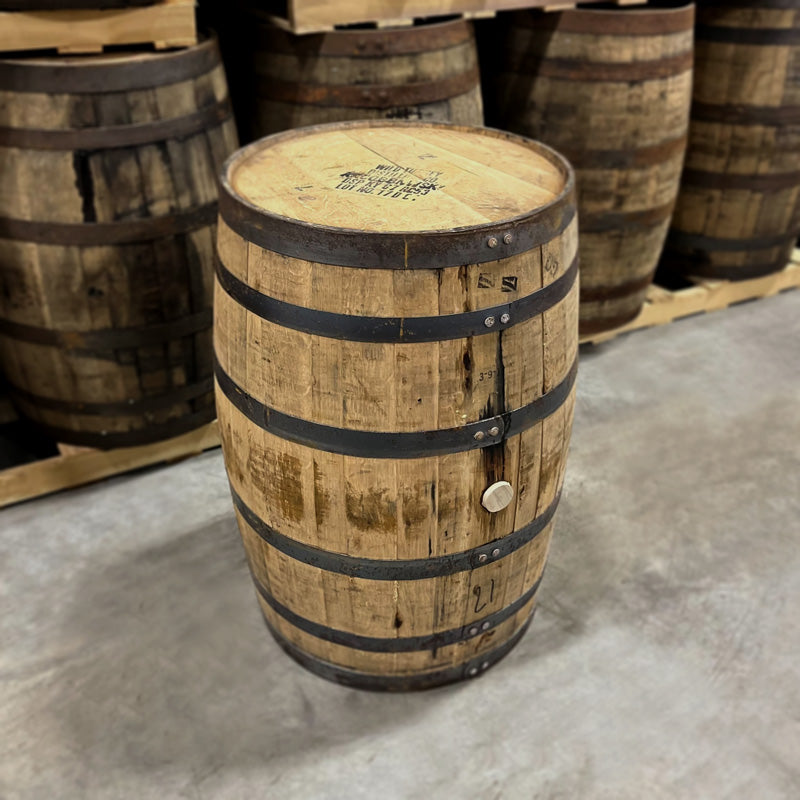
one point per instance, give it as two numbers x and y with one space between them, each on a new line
287 483
322 499
463 279
280 479
467 361
494 456
416 504
370 510
84 183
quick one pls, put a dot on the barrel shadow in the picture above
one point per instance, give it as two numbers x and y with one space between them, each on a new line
178 668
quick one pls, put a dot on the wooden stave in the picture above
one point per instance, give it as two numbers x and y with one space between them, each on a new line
609 300
274 57
183 370
752 247
373 669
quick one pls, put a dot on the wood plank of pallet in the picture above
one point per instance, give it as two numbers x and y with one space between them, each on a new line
170 23
78 468
315 16
663 306
568 4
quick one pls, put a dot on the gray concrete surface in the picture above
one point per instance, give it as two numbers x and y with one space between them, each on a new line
664 661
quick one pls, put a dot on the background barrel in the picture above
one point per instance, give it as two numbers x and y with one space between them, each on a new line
428 71
610 89
107 220
738 214
375 389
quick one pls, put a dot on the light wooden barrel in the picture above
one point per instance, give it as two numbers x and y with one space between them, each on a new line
108 209
428 71
610 89
738 214
396 341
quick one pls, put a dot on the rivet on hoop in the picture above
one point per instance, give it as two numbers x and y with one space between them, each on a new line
472 672
485 665
489 322
486 626
496 552
482 558
473 631
479 436
508 238
495 431
505 318
492 241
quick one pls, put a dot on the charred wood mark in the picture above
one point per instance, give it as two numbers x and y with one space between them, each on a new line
84 183
467 361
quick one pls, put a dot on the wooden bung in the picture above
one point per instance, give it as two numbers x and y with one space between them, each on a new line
395 333
107 226
427 71
610 89
738 213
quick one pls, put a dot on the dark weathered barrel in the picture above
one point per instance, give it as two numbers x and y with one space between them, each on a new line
738 214
396 341
427 71
609 88
107 221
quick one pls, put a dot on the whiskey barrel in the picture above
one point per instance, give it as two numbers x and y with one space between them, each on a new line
107 227
738 214
610 89
428 71
396 343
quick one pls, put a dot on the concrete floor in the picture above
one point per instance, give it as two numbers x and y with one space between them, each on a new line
664 661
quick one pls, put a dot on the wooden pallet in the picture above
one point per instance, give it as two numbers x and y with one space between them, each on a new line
79 466
664 306
313 16
170 23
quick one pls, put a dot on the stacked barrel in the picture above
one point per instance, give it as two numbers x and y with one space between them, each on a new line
738 215
611 90
427 71
108 203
